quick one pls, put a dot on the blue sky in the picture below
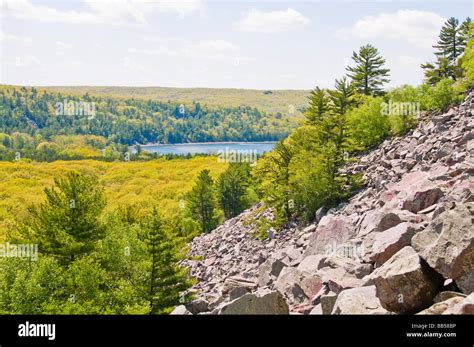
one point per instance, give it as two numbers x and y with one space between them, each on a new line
218 44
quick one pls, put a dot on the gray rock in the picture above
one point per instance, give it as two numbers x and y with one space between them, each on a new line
312 263
466 306
447 244
180 310
422 199
389 242
443 296
405 283
237 281
270 302
317 310
268 271
238 292
197 306
358 301
327 302
441 307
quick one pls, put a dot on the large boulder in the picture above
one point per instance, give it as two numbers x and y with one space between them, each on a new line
377 220
422 199
327 302
197 306
405 283
233 282
441 307
447 245
466 306
332 232
269 271
389 242
298 286
312 263
264 302
338 279
358 301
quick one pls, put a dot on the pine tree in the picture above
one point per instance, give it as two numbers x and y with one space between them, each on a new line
451 43
368 74
201 201
438 71
167 278
231 186
318 106
466 31
280 168
67 224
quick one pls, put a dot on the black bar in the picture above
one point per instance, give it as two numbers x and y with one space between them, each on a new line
374 330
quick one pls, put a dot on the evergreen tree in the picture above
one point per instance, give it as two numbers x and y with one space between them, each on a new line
201 201
438 71
280 169
318 106
368 75
167 278
466 31
231 187
67 224
451 43
336 142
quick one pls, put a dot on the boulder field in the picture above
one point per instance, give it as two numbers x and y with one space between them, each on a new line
403 245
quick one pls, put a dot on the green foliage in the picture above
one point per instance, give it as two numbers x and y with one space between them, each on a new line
166 279
318 106
368 75
440 96
201 201
403 106
67 224
129 121
124 264
452 41
232 189
467 63
367 124
275 170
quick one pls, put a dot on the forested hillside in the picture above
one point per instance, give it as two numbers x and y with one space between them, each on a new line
285 102
130 121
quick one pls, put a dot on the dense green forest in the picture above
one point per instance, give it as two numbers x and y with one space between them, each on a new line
126 260
131 121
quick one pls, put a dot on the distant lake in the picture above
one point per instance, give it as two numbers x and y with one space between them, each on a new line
209 147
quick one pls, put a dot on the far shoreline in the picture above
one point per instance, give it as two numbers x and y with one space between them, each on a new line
204 143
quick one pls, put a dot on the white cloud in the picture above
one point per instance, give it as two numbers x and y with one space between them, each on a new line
409 61
100 11
160 50
133 66
272 21
210 49
65 45
26 61
6 37
416 27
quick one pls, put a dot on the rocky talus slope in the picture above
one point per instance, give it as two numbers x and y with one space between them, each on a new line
404 244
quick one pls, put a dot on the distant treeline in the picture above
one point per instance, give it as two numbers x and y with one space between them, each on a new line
131 121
